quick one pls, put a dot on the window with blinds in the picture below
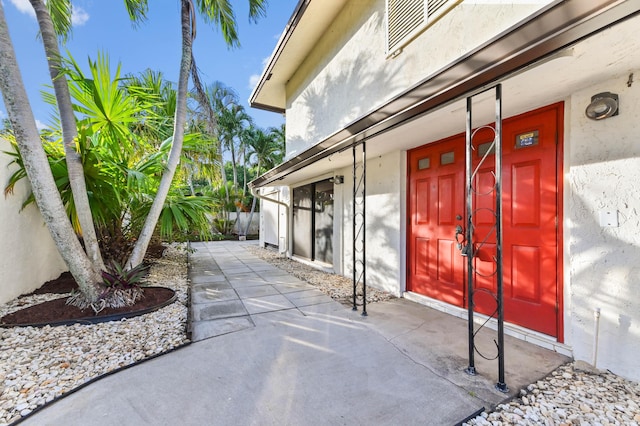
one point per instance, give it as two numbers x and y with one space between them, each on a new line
407 18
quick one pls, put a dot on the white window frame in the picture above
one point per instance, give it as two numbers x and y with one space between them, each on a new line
442 7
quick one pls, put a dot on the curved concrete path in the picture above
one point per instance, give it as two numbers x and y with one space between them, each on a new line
274 359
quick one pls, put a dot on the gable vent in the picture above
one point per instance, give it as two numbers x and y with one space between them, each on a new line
406 18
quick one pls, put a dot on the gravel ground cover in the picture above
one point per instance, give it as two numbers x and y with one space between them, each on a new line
573 394
38 365
337 287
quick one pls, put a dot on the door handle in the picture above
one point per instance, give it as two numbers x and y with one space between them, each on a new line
464 248
459 231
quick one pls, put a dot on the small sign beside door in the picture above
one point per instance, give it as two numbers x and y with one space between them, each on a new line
524 140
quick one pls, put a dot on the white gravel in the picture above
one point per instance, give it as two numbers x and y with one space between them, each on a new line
40 364
338 287
574 394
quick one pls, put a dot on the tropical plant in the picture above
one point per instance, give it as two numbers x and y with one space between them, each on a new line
37 169
265 148
121 287
121 177
54 18
84 268
219 12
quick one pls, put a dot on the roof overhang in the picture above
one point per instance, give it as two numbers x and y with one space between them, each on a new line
555 27
308 23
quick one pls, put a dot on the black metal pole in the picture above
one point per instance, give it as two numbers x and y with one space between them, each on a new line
471 369
353 230
364 228
501 385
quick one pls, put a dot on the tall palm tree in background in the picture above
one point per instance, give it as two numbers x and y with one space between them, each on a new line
210 101
266 148
232 122
219 12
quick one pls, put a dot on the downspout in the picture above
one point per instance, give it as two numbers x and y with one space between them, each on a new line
255 193
596 332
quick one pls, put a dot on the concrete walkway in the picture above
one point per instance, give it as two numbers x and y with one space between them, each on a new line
272 350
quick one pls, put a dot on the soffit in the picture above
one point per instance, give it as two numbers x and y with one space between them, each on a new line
307 24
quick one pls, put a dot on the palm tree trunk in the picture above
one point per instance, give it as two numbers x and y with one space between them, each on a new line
140 248
253 205
69 135
38 171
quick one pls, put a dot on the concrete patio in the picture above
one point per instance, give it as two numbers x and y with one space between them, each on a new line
272 350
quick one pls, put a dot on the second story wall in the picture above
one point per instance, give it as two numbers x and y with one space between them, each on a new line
349 72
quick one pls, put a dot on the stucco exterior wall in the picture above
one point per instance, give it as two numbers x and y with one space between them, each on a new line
385 213
349 74
604 262
28 256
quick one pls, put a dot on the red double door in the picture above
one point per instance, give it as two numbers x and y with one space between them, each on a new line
530 191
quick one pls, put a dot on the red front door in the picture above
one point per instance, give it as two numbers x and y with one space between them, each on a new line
437 200
530 217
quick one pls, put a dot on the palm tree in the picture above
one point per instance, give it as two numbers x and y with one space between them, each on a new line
220 12
232 122
266 148
37 168
49 31
211 101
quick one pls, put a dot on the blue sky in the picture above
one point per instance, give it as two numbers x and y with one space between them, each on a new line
103 25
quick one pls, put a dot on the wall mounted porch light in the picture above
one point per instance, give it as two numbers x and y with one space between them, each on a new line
603 105
337 180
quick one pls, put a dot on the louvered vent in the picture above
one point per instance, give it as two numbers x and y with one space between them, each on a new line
407 17
404 16
435 6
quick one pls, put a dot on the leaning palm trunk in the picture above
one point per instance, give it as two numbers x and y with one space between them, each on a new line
69 134
253 206
140 248
37 168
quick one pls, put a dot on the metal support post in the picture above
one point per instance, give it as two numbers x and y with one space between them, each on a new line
359 227
501 385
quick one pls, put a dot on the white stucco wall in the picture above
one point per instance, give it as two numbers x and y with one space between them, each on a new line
348 73
274 217
385 213
604 262
28 256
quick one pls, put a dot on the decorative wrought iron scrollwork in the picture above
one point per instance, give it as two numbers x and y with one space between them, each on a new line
358 227
475 244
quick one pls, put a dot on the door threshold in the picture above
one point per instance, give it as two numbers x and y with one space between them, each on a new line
519 332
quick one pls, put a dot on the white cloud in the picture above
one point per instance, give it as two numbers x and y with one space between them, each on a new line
79 16
253 80
24 7
40 125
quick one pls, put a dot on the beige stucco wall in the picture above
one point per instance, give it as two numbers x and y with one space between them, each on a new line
349 74
28 256
604 262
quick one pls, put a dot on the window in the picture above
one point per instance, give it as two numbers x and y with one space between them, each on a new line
407 18
313 221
